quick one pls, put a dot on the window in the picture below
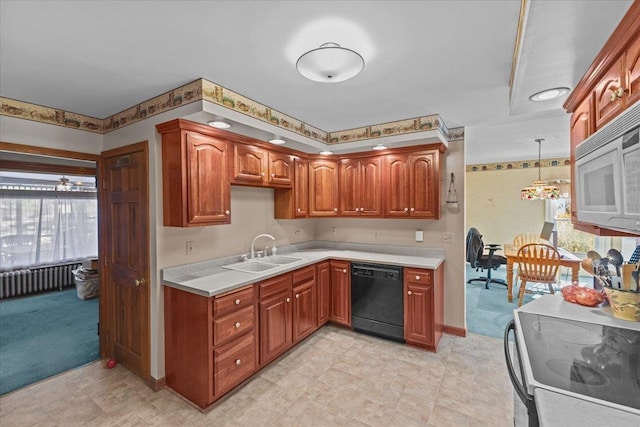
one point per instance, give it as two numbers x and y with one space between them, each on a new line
46 219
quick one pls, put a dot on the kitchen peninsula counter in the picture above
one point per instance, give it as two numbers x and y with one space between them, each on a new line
210 278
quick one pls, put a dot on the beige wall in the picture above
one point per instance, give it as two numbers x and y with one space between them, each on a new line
494 206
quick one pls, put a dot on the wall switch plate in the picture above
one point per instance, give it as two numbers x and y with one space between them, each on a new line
419 235
447 237
190 246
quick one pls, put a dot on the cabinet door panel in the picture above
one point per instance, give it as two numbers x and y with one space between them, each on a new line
209 195
632 67
424 182
606 108
418 326
323 285
350 187
249 164
323 188
341 292
370 187
280 169
301 193
582 126
275 327
304 310
397 191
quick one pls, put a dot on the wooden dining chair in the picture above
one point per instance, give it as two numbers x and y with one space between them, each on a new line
538 263
523 239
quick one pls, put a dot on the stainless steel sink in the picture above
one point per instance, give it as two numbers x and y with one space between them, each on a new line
281 259
251 266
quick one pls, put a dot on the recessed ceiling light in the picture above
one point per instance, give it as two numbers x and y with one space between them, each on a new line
277 141
549 94
379 147
219 124
326 152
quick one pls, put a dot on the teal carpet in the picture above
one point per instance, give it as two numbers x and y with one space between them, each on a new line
43 335
488 310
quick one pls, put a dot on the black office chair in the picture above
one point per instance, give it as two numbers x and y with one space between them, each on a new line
480 261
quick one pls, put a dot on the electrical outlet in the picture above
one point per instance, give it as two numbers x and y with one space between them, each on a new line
190 246
297 232
376 232
333 230
447 237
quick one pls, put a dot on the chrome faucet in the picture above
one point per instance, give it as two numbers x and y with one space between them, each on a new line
253 254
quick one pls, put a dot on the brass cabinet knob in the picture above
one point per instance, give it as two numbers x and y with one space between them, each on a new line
417 277
237 302
288 299
297 295
227 212
335 209
140 282
238 362
344 270
409 293
412 209
237 325
406 209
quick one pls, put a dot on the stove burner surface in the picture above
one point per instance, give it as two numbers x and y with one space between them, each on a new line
566 332
577 371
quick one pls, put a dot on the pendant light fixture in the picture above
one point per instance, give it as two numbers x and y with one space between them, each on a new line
540 190
330 63
63 184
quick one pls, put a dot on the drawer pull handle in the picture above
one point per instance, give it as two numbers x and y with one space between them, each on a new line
409 293
344 270
288 299
335 209
238 302
238 362
297 295
412 209
227 212
406 209
417 277
237 325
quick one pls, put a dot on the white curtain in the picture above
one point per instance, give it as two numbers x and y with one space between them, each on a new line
44 227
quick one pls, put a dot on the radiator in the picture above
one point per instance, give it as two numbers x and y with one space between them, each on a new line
34 280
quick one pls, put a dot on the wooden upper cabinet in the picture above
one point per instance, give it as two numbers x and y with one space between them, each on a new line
324 198
250 164
256 166
195 176
209 197
608 99
294 202
632 71
581 127
280 169
413 185
360 188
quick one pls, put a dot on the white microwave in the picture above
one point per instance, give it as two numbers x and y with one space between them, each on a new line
608 174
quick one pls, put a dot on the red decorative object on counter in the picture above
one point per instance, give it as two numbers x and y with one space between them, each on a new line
580 295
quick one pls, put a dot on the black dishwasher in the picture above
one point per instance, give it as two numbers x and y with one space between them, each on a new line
377 300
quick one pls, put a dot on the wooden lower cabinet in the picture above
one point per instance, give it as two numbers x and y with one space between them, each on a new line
423 306
210 343
305 317
275 317
323 285
340 272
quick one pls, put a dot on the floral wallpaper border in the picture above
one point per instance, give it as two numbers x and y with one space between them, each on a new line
526 164
202 89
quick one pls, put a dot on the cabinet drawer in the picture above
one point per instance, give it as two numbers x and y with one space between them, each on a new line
276 285
233 363
233 325
230 302
418 276
304 275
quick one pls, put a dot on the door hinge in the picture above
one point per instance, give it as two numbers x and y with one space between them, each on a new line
98 327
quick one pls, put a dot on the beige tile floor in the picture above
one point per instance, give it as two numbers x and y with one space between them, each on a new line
334 378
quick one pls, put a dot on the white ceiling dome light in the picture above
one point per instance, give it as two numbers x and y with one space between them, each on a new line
330 63
549 94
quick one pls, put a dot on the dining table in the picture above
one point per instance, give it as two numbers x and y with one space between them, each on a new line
567 259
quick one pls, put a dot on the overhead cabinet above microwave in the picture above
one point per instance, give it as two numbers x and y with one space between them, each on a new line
608 174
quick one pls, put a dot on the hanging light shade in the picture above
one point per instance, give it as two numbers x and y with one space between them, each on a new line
540 190
63 184
330 63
